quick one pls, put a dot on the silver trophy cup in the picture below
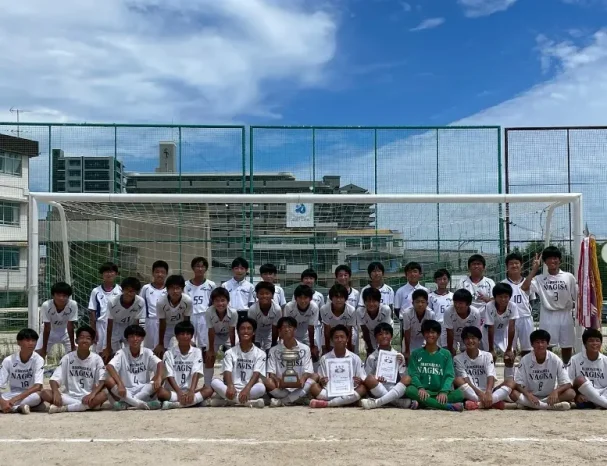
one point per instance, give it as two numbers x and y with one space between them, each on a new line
290 378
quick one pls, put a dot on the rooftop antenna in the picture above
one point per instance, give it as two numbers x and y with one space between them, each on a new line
18 111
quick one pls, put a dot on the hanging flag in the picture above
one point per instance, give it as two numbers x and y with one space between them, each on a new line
590 297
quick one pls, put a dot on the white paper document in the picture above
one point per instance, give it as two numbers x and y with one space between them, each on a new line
387 366
341 382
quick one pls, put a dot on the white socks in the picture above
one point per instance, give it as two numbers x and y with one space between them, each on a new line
592 394
522 400
379 391
197 398
344 400
395 393
469 393
257 391
500 394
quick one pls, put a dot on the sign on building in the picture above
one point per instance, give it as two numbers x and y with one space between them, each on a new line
300 215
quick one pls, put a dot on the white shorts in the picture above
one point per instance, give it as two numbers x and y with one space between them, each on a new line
264 342
500 339
68 400
151 333
201 334
560 326
133 392
442 341
118 339
221 340
523 328
169 334
56 338
101 328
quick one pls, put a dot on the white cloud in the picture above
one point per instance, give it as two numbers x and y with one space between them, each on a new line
429 23
478 8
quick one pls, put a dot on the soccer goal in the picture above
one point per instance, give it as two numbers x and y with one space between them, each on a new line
70 235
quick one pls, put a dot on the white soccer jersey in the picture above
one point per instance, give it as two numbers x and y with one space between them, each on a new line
200 295
347 318
78 376
279 296
358 369
317 299
483 287
594 371
353 298
174 313
557 292
477 370
242 364
263 334
182 367
387 295
403 296
304 319
454 322
384 315
371 365
302 366
135 370
500 321
411 321
100 298
521 298
541 379
126 316
150 296
21 376
221 326
242 293
59 319
439 303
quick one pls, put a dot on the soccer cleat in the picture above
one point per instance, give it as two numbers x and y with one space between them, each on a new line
259 403
414 404
499 405
368 403
23 409
471 405
404 403
218 402
319 404
57 409
561 406
120 406
153 405
170 405
276 403
459 407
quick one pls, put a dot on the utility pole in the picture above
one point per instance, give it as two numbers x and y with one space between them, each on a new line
18 111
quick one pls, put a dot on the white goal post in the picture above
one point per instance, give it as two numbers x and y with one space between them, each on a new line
127 205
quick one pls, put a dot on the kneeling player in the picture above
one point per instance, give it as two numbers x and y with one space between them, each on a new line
339 339
242 367
385 392
81 374
588 371
475 374
183 365
129 373
541 380
23 372
275 385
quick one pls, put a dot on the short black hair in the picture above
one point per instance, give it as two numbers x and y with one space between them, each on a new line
108 267
375 265
413 266
419 294
27 334
441 273
245 320
339 328
160 265
343 268
463 296
131 282
198 259
175 280
135 330
290 321
551 251
309 273
383 327
265 286
268 268
240 262
591 333
477 258
61 288
373 294
502 288
514 256
88 329
338 290
303 290
430 325
472 331
185 326
219 292
539 335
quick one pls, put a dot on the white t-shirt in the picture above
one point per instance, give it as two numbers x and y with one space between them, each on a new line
353 298
151 296
182 367
371 365
412 322
302 366
521 298
541 379
348 317
243 364
263 334
78 376
358 369
200 295
242 293
317 299
500 321
221 326
439 303
454 322
279 296
59 320
303 318
174 313
387 295
557 292
126 315
384 315
594 371
484 287
135 371
99 300
403 296
478 370
21 376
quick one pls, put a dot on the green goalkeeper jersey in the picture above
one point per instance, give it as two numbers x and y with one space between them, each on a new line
431 371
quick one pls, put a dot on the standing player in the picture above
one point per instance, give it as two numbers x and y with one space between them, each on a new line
558 292
337 312
412 320
376 273
23 373
501 321
268 274
151 293
309 278
98 302
370 315
199 289
266 312
458 316
403 297
58 316
588 371
343 274
242 291
305 312
172 308
81 374
440 300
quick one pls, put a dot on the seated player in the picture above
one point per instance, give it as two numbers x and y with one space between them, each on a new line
58 315
151 293
221 324
431 374
440 300
122 311
23 373
305 312
98 302
282 396
183 366
541 380
588 371
266 313
370 315
199 289
243 369
458 316
81 374
385 393
268 274
412 319
134 375
339 338
501 315
337 312
475 374
172 308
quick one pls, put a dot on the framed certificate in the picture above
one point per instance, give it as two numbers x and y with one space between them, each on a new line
341 382
387 366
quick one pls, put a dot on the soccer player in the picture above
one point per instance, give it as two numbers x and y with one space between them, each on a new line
268 274
541 379
376 273
475 375
23 373
343 274
221 324
501 316
305 312
266 312
274 384
403 298
440 300
172 308
558 292
58 316
370 315
243 368
151 293
588 371
412 321
339 338
183 366
199 289
134 374
242 291
432 374
458 316
309 278
520 298
385 393
337 312
82 376
123 310
98 302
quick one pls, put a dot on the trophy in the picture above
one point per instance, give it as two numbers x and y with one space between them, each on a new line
290 378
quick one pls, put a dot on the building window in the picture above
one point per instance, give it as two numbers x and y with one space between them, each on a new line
97 164
73 172
366 243
74 163
97 175
9 213
352 242
9 258
74 183
10 164
102 186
